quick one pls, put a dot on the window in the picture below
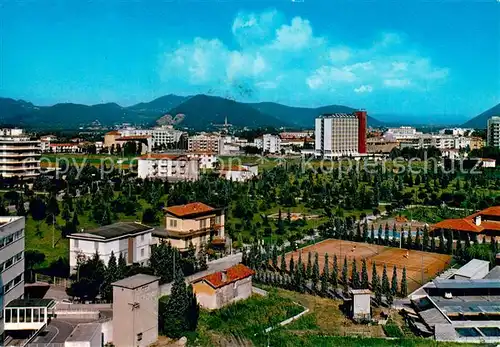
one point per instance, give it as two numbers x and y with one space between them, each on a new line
76 243
8 315
173 223
28 315
217 219
142 252
36 315
203 223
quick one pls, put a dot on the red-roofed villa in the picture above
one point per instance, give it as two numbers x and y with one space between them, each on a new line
485 222
225 287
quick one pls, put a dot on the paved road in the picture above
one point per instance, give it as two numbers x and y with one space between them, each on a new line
55 333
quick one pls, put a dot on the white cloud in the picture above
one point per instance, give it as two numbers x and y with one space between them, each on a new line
364 89
397 83
287 59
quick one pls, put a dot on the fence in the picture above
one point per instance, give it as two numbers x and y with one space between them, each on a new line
55 281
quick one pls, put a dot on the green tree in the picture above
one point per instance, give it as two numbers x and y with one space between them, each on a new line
441 241
378 290
425 241
385 281
110 276
364 275
375 278
394 282
372 234
315 272
345 275
309 266
433 243
449 242
122 267
325 276
335 272
404 284
283 263
355 275
32 258
417 244
179 314
291 267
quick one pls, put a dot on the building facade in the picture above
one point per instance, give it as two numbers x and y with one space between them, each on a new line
225 287
269 143
172 167
493 137
164 135
11 263
195 223
340 134
206 143
239 173
135 311
130 239
19 155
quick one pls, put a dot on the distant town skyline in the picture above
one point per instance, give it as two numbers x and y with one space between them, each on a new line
411 58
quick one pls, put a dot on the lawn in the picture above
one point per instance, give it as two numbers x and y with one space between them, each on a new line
244 319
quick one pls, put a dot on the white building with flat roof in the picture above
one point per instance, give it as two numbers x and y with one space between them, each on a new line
19 155
172 167
130 239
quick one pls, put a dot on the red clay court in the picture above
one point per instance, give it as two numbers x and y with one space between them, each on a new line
417 263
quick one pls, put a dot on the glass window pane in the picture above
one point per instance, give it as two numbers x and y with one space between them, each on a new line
42 315
14 316
28 315
36 315
21 315
7 316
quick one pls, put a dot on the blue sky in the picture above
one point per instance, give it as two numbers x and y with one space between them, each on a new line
418 58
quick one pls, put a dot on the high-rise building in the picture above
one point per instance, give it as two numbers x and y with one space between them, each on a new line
19 155
206 143
340 134
493 138
11 263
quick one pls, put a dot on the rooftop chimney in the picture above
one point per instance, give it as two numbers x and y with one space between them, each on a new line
478 220
224 276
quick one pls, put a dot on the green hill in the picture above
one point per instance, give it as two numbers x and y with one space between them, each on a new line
481 121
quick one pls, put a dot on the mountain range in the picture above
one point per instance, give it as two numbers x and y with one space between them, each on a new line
481 120
199 113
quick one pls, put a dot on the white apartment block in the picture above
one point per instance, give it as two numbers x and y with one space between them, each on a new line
336 135
11 261
493 137
205 160
455 131
269 143
402 133
19 155
162 135
173 167
239 173
206 143
130 239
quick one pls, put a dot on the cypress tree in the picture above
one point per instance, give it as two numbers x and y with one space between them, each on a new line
375 277
315 272
409 242
291 268
459 250
345 276
433 243
379 241
193 311
355 275
122 267
309 266
417 240
404 284
364 275
274 255
425 240
372 234
378 290
365 232
394 282
335 272
386 236
283 263
385 281
325 276
389 298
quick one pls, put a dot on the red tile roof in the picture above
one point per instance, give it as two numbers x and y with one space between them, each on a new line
189 209
159 156
234 168
233 274
113 132
133 137
468 223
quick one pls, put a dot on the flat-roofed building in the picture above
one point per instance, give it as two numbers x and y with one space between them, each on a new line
239 173
493 132
135 311
172 167
206 143
130 239
19 155
28 314
195 223
474 269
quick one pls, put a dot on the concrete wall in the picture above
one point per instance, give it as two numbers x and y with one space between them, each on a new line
107 331
361 306
131 321
13 230
211 298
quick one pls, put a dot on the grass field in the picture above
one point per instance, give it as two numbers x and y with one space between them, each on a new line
418 264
